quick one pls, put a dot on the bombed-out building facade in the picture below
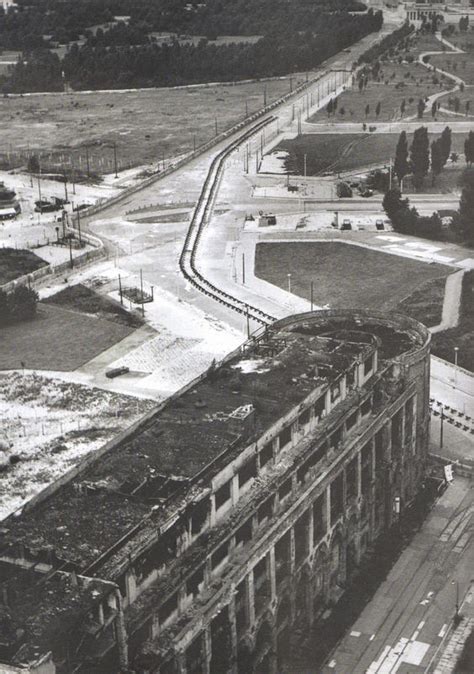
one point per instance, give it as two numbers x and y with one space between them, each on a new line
233 515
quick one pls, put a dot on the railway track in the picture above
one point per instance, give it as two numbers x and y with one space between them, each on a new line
201 216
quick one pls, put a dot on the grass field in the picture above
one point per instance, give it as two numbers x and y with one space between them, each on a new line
426 303
85 300
15 263
344 275
443 343
410 82
343 152
461 65
57 339
146 125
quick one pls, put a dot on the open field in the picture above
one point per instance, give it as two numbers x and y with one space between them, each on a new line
146 125
344 152
87 301
57 339
15 263
443 343
383 280
397 82
48 425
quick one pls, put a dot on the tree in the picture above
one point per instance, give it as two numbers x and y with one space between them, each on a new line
469 148
434 107
403 107
420 155
421 108
361 83
457 104
33 164
378 108
436 158
329 107
403 217
367 110
400 166
22 303
468 107
445 144
466 206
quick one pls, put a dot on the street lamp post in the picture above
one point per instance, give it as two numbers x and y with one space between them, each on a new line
456 350
289 283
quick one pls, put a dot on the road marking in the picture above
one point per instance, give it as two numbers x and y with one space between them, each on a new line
372 637
376 663
332 664
420 624
355 634
443 630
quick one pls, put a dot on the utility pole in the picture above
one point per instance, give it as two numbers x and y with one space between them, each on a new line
66 198
441 428
39 183
312 290
115 159
88 168
248 320
215 124
304 162
243 268
246 109
79 226
141 291
120 290
70 252
73 176
265 96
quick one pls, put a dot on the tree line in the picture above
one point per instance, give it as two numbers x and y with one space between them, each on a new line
99 63
417 160
33 24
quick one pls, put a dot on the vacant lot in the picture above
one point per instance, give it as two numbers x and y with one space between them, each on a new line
344 275
146 125
86 300
15 263
48 426
57 339
397 82
344 152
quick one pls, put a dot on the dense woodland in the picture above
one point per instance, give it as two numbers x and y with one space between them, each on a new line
296 35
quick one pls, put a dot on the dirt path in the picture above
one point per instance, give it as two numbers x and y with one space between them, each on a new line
458 81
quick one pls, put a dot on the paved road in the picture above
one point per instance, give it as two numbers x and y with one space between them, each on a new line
401 629
453 386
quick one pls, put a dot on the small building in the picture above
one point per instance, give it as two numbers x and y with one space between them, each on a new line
266 219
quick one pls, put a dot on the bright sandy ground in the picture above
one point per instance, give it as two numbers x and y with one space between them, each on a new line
49 424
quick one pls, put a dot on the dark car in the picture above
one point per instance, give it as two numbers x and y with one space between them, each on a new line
117 371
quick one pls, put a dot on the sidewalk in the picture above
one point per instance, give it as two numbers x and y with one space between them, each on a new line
406 623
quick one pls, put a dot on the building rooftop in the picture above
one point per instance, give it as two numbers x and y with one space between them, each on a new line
143 475
39 613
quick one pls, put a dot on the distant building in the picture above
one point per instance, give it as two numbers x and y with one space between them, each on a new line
9 204
232 516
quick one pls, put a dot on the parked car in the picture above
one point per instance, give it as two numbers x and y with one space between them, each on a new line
117 371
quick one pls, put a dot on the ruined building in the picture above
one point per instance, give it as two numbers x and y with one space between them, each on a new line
197 541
